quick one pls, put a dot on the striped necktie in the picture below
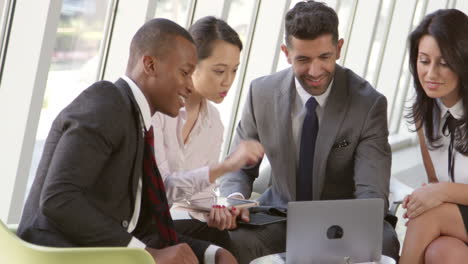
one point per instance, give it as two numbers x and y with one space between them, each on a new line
155 194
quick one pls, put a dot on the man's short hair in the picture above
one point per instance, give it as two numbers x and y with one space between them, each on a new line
155 38
309 20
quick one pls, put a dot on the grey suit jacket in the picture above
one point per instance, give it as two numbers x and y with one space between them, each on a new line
85 187
355 113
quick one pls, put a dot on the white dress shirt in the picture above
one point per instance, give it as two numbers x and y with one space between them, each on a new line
146 115
184 167
439 156
298 112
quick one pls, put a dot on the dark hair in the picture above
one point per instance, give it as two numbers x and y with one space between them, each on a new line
450 29
207 30
309 20
156 37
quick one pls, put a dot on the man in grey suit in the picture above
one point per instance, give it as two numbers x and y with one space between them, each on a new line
323 128
90 185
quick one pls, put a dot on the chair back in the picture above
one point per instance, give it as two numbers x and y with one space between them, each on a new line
13 250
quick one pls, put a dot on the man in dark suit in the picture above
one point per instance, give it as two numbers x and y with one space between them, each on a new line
323 128
90 185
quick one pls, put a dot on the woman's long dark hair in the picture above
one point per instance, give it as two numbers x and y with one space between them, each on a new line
450 29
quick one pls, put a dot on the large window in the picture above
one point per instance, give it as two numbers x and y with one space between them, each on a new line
239 17
3 15
175 10
6 7
76 61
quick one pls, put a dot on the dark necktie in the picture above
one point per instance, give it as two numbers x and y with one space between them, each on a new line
449 129
306 158
154 195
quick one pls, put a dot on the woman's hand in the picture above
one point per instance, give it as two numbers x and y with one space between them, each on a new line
422 199
221 218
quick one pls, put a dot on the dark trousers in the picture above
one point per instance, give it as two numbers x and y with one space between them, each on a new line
201 231
145 232
249 243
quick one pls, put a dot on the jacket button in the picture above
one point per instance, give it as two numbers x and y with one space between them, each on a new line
125 223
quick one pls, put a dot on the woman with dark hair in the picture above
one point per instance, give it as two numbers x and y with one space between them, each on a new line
438 211
189 145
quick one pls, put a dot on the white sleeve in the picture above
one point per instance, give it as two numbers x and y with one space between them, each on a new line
210 254
135 243
236 193
184 184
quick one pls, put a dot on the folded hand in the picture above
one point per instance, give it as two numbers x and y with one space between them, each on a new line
222 218
421 200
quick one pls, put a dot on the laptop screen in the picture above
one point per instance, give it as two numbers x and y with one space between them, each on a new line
331 231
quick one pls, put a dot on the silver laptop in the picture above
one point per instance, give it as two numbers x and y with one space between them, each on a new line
336 231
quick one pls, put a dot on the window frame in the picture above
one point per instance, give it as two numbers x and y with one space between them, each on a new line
5 27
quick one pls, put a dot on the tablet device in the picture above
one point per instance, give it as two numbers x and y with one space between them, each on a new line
260 219
206 204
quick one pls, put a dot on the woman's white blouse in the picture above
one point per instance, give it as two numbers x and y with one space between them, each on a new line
185 167
439 156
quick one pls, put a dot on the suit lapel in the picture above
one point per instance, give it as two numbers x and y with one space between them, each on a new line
138 159
333 115
285 98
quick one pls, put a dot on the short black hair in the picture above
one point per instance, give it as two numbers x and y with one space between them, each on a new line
207 30
309 19
156 38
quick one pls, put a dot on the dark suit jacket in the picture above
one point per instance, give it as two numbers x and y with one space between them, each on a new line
352 155
85 187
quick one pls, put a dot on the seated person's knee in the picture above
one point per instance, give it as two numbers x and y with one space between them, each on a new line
441 250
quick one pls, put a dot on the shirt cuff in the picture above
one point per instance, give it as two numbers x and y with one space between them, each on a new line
135 243
236 193
210 254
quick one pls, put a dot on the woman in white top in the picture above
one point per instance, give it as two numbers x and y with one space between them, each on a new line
189 145
438 211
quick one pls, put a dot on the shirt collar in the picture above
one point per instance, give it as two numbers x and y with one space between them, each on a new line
304 95
141 101
456 110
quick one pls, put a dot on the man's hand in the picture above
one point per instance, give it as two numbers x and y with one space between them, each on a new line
177 254
243 213
247 153
224 257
